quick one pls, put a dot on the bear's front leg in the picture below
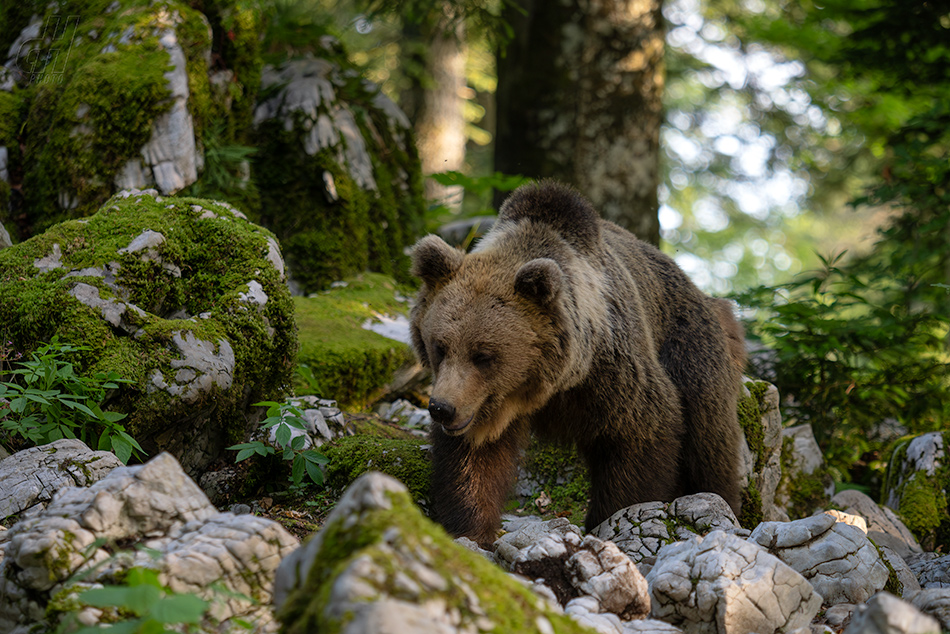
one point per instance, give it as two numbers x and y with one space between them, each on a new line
470 484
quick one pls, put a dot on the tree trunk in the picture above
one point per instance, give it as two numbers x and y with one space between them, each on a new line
579 100
440 126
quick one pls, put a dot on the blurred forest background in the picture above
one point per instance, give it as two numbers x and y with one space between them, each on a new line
790 154
793 155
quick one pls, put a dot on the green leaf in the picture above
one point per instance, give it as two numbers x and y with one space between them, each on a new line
122 448
179 608
297 471
315 457
283 435
315 473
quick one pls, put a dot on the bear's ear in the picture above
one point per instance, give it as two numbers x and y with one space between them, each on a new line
539 280
435 261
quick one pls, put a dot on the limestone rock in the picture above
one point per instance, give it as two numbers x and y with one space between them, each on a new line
379 561
806 485
32 476
886 614
724 584
761 472
906 584
144 283
57 551
916 487
841 563
150 60
337 170
642 529
934 602
595 571
933 573
883 526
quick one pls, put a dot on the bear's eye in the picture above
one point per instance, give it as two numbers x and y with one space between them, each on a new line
483 359
438 352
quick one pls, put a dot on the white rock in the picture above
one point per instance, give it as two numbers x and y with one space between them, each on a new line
32 476
722 583
642 529
601 570
155 505
934 573
840 562
886 614
884 527
934 602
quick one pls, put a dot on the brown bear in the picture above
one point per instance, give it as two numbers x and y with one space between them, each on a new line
566 325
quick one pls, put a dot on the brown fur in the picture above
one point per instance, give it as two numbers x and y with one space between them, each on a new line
566 325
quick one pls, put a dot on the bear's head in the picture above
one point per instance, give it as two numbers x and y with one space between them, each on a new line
488 328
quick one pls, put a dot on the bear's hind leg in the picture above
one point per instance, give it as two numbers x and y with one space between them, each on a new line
700 366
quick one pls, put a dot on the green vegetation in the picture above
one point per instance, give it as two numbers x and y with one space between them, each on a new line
349 363
921 498
142 604
560 472
285 417
407 460
36 306
51 402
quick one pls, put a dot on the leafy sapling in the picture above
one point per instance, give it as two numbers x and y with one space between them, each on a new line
284 417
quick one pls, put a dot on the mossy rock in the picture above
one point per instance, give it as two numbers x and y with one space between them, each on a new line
337 168
351 364
100 81
918 478
555 471
761 425
400 565
406 459
183 296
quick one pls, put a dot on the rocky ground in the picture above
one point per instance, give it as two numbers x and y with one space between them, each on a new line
376 564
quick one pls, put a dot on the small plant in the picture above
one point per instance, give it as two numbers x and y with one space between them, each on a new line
284 417
147 605
137 602
48 401
307 380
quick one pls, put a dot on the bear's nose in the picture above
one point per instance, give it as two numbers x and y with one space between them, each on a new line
441 412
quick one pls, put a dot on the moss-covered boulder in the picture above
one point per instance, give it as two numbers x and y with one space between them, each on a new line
338 173
918 479
109 95
378 560
405 459
351 363
761 423
807 484
185 297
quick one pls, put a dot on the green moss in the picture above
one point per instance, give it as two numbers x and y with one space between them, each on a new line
404 459
10 104
330 237
92 111
510 606
806 491
750 419
751 514
923 505
922 498
34 307
350 363
561 473
893 585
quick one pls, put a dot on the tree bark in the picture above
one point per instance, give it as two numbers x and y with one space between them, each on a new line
440 126
579 100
